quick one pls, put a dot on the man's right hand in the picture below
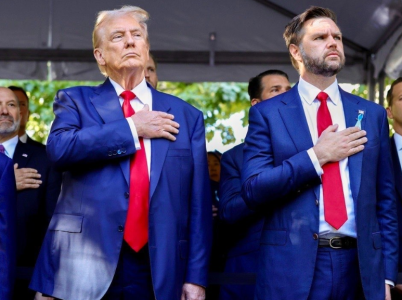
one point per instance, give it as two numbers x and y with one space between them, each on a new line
155 124
334 146
26 178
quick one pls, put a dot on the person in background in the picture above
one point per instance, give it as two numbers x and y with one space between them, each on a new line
25 112
244 226
7 223
317 164
394 111
151 75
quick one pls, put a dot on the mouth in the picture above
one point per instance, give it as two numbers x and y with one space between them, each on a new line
131 54
333 54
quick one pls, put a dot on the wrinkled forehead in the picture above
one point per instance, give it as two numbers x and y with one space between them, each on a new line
319 25
7 94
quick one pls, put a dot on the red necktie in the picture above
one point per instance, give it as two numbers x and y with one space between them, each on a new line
334 199
136 229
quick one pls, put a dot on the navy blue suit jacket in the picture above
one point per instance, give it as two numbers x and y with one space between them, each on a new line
91 141
398 188
7 226
279 178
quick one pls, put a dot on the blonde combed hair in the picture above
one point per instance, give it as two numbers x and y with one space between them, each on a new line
136 12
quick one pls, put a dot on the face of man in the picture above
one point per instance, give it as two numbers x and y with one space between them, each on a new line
24 109
321 49
150 73
214 167
123 47
272 85
395 110
9 112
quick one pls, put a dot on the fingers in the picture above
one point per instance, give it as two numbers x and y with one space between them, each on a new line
155 124
27 178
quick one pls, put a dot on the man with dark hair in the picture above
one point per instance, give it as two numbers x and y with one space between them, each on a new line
317 165
244 224
24 108
150 71
394 110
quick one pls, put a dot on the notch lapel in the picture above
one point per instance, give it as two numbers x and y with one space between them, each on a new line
294 118
107 104
397 169
351 110
159 146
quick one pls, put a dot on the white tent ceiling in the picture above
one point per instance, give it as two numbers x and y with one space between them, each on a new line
248 37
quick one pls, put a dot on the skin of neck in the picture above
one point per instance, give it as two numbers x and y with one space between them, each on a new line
7 136
21 131
397 127
127 78
318 81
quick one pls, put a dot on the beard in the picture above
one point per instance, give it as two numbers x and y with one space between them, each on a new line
6 128
319 66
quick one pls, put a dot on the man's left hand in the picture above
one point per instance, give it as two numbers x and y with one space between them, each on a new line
192 292
387 292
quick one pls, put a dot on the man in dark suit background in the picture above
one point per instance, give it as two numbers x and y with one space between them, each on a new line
317 165
394 110
7 223
38 187
24 109
97 246
244 225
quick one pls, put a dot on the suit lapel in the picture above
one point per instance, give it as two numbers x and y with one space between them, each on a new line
351 110
294 118
397 169
159 146
107 104
22 155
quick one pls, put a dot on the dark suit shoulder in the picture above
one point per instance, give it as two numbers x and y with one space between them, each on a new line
236 151
35 143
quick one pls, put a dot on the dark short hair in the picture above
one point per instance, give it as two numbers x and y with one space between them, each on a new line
19 89
153 58
391 89
254 84
215 153
293 31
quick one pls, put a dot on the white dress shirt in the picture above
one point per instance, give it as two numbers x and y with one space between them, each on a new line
10 145
308 94
398 143
143 95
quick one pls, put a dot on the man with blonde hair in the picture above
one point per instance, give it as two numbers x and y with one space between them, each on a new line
133 220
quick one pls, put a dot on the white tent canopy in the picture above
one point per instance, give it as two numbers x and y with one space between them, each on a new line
209 40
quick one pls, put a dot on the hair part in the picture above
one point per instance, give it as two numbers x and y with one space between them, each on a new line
255 87
104 16
391 90
19 89
294 30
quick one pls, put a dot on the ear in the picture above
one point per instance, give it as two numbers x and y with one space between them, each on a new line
98 56
254 101
389 113
295 52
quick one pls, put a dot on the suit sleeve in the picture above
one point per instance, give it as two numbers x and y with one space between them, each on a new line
232 207
7 230
386 205
265 181
200 229
78 137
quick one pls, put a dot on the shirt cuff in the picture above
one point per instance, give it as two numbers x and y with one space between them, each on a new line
314 160
134 133
389 282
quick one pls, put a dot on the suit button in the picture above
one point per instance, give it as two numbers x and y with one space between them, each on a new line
114 152
315 236
298 191
119 151
126 195
120 228
110 153
123 150
317 202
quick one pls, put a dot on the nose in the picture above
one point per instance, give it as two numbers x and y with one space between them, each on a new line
332 42
146 73
129 39
3 109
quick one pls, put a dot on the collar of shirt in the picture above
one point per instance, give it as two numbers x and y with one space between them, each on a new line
24 138
10 145
309 92
398 141
141 91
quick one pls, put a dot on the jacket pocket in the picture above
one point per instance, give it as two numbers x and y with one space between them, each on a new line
376 236
67 223
276 237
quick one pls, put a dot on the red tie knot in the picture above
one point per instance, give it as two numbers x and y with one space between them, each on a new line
322 96
127 95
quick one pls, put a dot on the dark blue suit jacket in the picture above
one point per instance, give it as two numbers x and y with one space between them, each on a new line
7 227
91 140
398 188
279 178
244 225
